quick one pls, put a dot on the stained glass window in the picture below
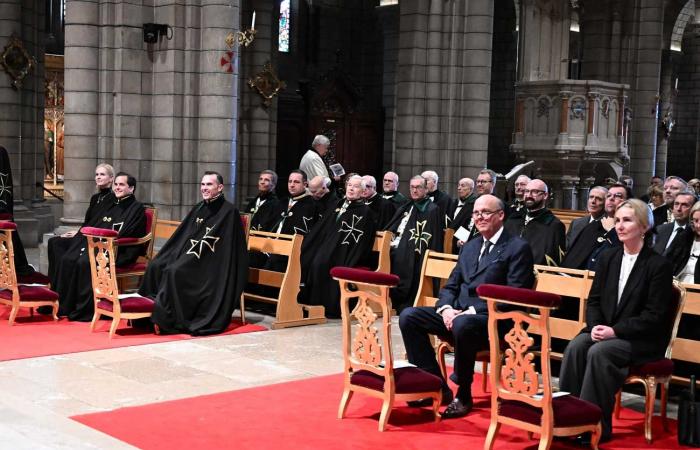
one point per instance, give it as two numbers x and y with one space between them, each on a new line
285 8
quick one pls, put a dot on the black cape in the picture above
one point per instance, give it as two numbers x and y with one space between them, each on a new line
326 203
344 240
264 215
197 278
443 201
423 231
462 219
7 204
71 272
383 210
299 219
545 234
515 208
662 214
586 243
396 197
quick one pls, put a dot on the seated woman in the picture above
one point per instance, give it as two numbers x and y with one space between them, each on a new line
57 245
71 275
628 306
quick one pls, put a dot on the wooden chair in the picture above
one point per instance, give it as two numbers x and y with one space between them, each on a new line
566 283
369 364
137 269
685 349
108 302
568 215
289 312
656 373
448 241
382 245
245 222
522 396
15 295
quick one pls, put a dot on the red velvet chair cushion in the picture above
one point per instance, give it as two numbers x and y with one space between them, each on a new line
101 232
5 216
365 276
407 380
135 267
659 368
519 295
569 411
34 278
28 293
8 226
126 240
149 220
130 305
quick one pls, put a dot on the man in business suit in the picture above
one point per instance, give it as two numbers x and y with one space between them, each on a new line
596 210
672 186
667 232
460 315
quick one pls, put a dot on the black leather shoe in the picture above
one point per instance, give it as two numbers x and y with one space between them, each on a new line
447 397
457 409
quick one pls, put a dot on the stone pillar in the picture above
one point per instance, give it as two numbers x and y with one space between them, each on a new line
568 199
645 95
666 109
544 40
258 123
444 72
22 115
389 17
584 188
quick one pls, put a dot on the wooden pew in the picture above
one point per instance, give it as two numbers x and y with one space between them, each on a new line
382 245
568 215
684 349
567 283
289 312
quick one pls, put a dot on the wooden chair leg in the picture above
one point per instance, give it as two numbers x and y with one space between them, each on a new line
545 440
242 307
595 436
650 392
618 402
113 328
386 412
54 311
344 401
94 320
13 314
436 405
442 351
484 375
664 401
491 435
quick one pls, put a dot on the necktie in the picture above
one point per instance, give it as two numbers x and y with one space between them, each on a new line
485 251
673 236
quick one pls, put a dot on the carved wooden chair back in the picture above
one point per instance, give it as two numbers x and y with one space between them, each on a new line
103 270
8 276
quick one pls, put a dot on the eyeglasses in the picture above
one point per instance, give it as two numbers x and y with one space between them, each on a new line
485 213
617 195
533 192
484 181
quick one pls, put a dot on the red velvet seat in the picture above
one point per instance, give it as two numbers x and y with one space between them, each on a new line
30 293
130 305
569 411
659 368
407 379
138 269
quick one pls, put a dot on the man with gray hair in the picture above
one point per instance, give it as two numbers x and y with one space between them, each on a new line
390 189
672 186
460 213
312 162
324 197
263 206
442 200
518 203
539 226
585 233
383 209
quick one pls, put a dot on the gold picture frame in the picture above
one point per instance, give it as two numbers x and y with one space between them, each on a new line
267 84
16 61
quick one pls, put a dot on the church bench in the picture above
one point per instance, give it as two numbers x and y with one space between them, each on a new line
684 349
573 285
289 312
568 215
164 230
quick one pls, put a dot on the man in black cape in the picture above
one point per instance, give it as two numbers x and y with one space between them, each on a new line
58 245
71 276
442 200
197 278
344 237
265 205
325 198
586 233
538 226
383 209
460 212
22 267
517 205
417 227
390 189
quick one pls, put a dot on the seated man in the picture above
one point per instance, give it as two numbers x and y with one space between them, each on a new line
390 189
264 206
71 277
325 198
460 315
383 209
197 278
344 237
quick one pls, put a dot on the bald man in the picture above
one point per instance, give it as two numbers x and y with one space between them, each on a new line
460 213
539 226
390 189
383 209
325 198
441 199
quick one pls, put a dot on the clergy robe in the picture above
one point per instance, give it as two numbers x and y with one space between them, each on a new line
58 245
396 197
344 237
383 210
462 218
443 201
7 202
296 215
326 203
71 277
423 231
197 278
543 231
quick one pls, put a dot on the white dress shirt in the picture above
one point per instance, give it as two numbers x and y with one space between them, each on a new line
627 265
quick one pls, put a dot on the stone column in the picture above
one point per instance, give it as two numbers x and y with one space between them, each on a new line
584 188
389 16
567 198
444 72
22 116
258 123
544 40
666 106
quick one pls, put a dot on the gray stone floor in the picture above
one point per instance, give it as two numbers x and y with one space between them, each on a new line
38 395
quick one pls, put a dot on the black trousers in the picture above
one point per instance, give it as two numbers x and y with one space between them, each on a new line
469 334
595 371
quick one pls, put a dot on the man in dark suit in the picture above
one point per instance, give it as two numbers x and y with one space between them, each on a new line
672 186
667 232
460 315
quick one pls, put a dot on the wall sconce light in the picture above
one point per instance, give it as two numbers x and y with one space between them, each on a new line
152 32
244 37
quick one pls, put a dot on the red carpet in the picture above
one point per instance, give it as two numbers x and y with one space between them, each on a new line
41 336
302 415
